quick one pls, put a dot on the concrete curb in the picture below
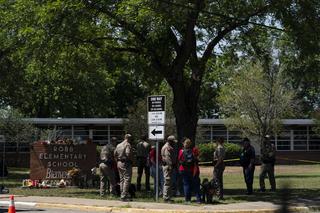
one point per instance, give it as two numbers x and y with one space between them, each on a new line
127 209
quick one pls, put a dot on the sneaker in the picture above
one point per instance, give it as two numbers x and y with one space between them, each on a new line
262 190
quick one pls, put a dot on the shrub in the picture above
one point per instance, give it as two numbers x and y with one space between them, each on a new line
207 149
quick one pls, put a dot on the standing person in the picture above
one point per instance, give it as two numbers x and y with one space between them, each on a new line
143 149
189 169
153 157
107 167
196 175
123 155
219 166
168 163
176 176
268 158
247 159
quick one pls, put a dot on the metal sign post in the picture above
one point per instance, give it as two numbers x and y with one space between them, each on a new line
156 122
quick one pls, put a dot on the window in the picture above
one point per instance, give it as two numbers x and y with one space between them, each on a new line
283 140
300 139
314 141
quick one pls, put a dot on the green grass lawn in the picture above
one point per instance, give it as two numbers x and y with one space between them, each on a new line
303 182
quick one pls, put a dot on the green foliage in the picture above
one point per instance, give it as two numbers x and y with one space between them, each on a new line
207 149
137 123
14 128
255 102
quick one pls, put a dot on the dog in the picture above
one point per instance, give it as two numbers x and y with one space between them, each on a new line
209 189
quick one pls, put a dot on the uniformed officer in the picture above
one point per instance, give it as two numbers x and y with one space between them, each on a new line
268 159
169 161
247 159
107 167
219 166
143 149
123 155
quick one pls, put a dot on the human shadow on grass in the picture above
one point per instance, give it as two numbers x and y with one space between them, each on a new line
273 197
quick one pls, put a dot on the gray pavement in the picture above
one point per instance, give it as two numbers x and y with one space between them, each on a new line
82 204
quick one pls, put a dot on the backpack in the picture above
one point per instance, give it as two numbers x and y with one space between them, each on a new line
188 157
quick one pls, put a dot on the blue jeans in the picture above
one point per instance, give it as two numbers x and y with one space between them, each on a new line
153 174
248 174
187 184
196 187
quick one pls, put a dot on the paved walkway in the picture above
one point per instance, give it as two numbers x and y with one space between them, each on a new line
143 207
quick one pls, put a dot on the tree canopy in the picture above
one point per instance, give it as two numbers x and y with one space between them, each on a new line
149 41
255 102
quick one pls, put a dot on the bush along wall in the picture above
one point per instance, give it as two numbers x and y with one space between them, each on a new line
207 149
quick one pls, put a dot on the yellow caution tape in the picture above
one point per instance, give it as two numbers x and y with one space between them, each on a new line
210 162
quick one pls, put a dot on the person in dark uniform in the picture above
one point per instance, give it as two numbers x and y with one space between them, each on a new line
143 149
247 159
268 158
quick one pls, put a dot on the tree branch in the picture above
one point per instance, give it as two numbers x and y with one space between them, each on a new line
189 41
222 33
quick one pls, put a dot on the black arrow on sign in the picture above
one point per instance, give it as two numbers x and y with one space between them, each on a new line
154 132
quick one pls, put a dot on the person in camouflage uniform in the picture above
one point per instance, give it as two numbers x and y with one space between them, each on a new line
267 164
123 155
219 166
106 166
169 161
143 149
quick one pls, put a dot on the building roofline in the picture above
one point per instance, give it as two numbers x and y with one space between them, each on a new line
76 121
120 121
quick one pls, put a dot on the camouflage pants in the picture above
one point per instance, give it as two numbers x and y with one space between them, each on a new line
107 173
267 169
218 176
125 173
167 174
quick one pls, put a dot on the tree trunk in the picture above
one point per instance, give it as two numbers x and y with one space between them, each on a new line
185 108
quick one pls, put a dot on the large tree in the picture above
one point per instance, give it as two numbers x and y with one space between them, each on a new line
176 39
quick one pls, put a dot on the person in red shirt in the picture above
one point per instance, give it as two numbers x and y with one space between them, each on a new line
152 158
189 169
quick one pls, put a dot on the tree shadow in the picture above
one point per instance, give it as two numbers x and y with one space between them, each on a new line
295 196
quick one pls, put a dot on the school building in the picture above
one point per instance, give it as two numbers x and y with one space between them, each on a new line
297 141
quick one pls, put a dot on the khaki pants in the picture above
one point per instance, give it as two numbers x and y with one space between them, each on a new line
107 173
267 168
167 174
125 173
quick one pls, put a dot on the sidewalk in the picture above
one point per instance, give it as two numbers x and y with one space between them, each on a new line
142 207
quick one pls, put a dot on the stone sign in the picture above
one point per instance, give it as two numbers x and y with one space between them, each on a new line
53 161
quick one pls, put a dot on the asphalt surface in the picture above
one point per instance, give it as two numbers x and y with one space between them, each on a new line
64 204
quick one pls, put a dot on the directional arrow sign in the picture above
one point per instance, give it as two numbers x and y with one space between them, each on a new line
156 132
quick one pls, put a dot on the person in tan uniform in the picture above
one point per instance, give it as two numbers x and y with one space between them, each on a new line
219 166
143 149
123 155
107 167
169 161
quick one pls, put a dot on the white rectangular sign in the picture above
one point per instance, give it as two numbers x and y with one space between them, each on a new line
156 118
156 132
156 110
